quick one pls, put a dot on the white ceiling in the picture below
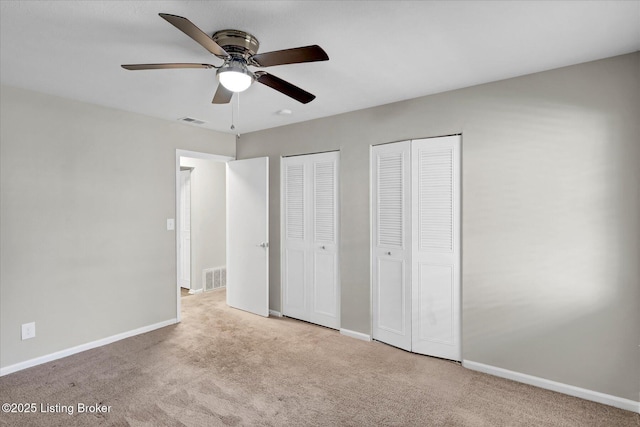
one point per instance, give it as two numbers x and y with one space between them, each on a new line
380 51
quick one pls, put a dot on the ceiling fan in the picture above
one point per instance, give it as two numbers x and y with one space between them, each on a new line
239 50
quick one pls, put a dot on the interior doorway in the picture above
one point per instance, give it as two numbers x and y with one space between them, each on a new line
200 222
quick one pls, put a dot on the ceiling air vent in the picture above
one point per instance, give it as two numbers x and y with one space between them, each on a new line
192 121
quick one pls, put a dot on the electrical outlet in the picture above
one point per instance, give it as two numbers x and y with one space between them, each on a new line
171 224
28 330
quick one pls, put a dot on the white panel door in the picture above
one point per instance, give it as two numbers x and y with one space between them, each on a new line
391 243
248 235
436 247
184 266
310 272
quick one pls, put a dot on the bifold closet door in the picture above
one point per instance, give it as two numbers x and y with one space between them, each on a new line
295 237
435 278
310 273
391 243
415 259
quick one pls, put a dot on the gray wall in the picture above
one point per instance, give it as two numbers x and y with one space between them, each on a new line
550 217
85 194
208 216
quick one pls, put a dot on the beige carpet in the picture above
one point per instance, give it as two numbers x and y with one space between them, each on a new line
222 366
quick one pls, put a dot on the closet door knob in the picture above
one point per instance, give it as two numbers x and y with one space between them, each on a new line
322 247
389 253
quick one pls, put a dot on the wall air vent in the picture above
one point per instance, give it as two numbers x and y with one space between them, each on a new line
191 121
214 278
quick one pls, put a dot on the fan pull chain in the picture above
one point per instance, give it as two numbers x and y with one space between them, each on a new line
233 127
238 116
232 120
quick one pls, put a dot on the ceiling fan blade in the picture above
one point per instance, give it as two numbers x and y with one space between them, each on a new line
285 87
164 66
222 96
190 29
290 56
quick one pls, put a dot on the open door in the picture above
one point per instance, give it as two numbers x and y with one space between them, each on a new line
248 235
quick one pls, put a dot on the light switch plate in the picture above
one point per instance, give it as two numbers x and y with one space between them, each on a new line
171 224
28 330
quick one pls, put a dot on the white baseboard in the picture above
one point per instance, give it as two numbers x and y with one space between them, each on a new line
195 291
83 347
356 335
583 393
275 313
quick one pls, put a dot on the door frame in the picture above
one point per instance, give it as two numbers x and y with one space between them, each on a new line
194 155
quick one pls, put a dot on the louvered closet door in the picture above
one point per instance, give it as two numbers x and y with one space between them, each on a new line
295 238
310 269
436 246
324 297
391 245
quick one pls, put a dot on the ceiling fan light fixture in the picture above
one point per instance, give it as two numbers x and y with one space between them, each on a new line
235 76
239 49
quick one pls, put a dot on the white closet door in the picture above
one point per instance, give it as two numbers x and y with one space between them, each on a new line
295 237
310 269
436 247
391 245
324 295
185 229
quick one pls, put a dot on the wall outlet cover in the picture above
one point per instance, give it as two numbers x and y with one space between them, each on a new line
28 330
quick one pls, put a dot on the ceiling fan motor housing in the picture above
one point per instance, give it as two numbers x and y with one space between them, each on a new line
236 43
